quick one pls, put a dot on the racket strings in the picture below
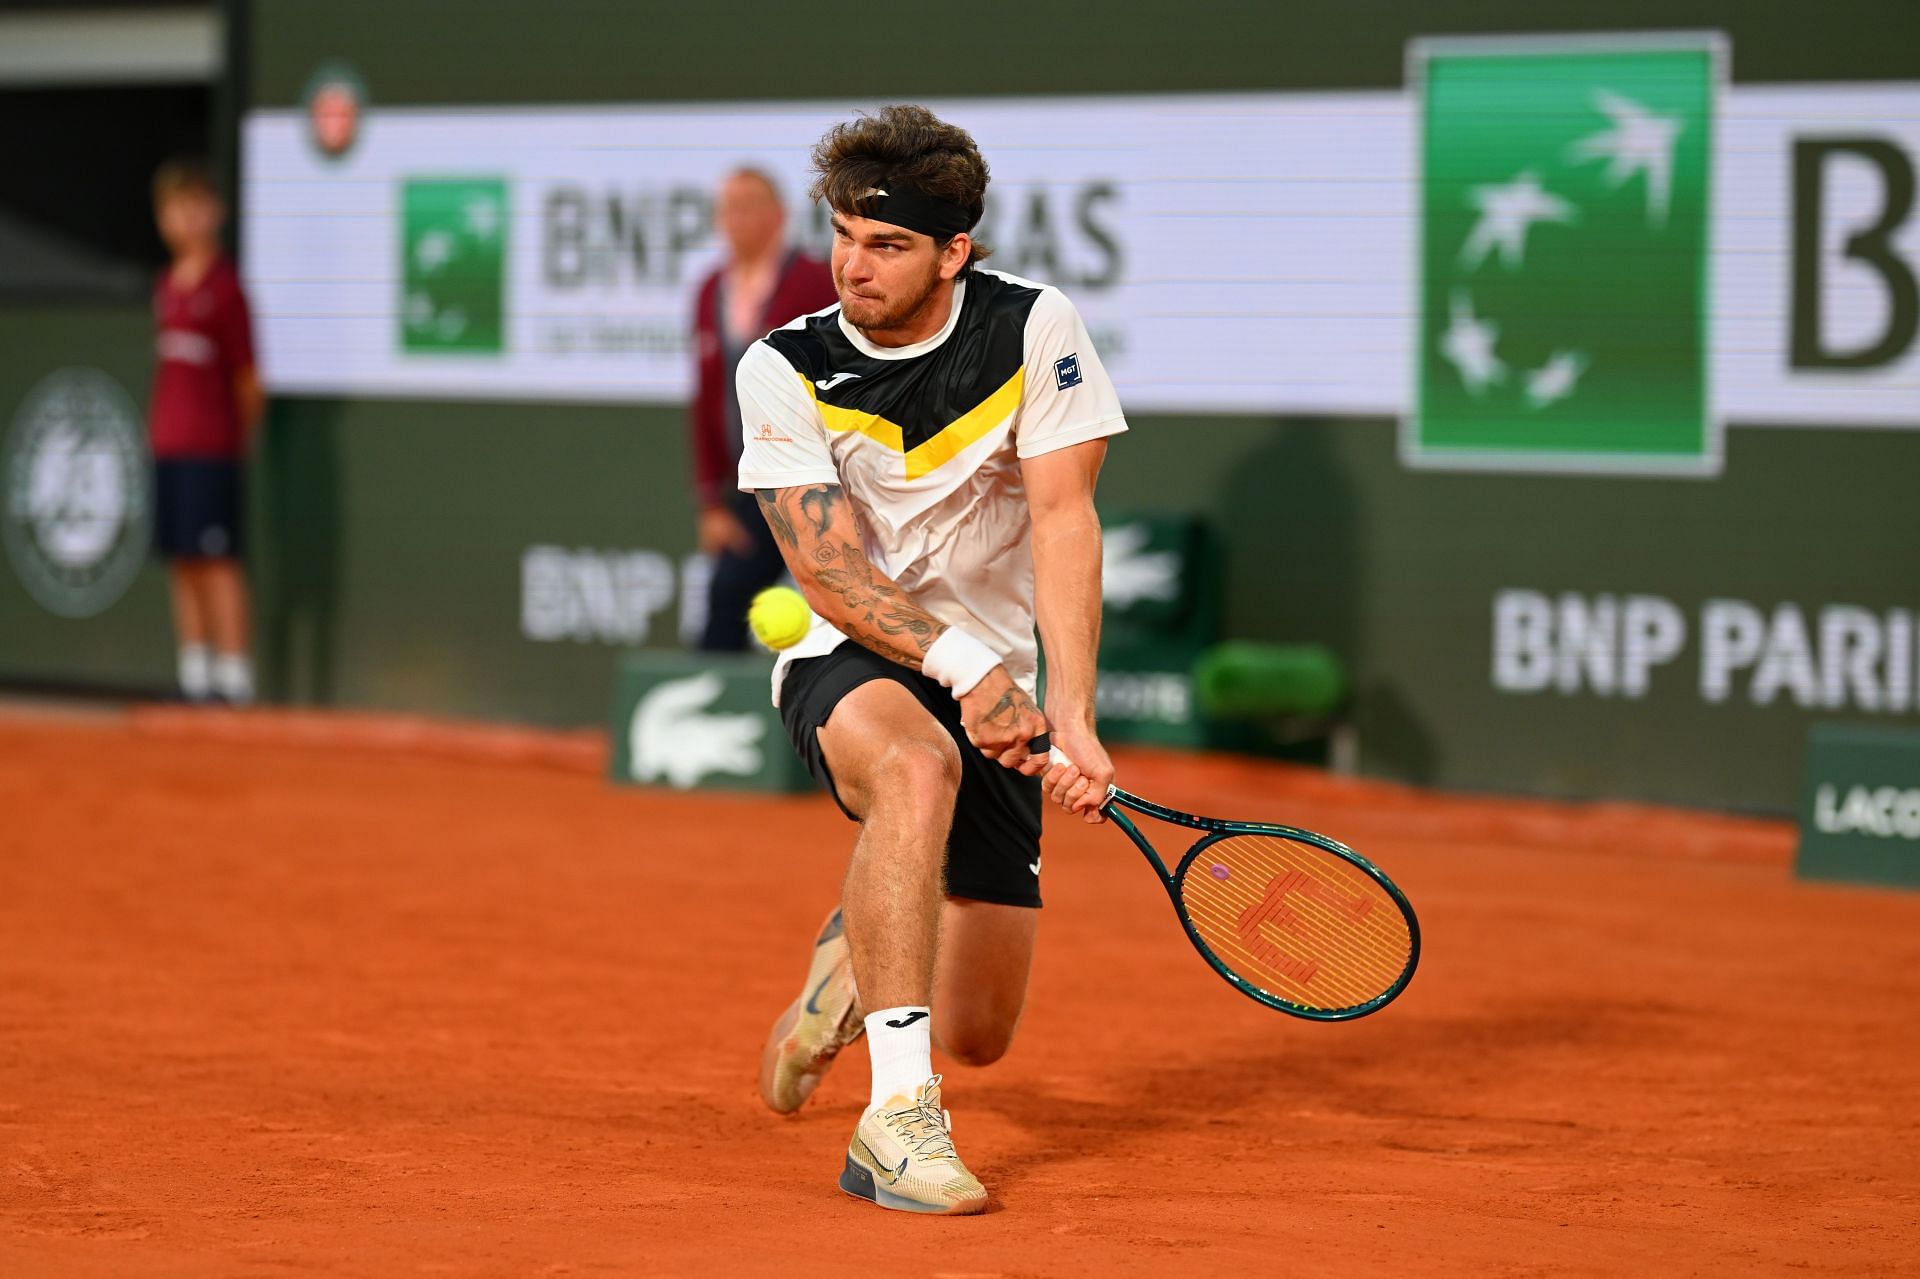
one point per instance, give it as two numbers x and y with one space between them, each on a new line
1301 923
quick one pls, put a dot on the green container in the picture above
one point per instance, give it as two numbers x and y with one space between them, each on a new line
1244 680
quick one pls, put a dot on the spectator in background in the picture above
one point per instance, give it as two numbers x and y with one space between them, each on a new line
762 285
206 403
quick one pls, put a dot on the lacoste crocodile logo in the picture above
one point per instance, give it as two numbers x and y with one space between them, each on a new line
674 735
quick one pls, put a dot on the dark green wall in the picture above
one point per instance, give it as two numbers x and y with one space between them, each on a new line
127 646
392 561
413 51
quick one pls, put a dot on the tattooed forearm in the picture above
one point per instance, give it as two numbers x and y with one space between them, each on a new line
888 651
821 543
817 505
878 602
910 620
776 518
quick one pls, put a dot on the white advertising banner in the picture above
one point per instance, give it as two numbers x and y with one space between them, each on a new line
1244 253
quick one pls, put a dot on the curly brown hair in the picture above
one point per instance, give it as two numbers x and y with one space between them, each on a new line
902 144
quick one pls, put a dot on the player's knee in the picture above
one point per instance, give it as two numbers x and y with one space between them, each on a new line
923 774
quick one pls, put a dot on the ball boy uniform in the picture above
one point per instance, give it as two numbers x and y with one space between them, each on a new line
205 340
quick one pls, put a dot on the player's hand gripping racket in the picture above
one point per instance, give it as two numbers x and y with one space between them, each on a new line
1295 920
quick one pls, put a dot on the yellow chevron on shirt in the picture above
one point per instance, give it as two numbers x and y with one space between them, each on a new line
943 445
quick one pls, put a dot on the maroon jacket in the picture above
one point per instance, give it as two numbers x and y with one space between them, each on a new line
805 286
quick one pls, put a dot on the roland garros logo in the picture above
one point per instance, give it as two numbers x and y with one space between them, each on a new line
75 509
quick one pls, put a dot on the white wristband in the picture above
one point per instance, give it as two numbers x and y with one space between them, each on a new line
959 661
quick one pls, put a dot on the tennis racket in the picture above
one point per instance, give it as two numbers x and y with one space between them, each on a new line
1295 920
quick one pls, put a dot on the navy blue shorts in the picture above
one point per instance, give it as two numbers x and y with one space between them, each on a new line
993 850
196 508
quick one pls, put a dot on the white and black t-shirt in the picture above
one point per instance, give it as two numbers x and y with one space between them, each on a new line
926 441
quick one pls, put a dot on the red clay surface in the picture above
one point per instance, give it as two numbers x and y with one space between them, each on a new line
270 1006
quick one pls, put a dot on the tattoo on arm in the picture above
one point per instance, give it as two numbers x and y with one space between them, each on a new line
817 505
878 602
1011 703
882 617
776 518
910 621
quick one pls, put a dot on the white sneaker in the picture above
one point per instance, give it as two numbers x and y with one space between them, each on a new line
902 1157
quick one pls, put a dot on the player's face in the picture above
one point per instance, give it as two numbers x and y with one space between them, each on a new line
188 219
886 275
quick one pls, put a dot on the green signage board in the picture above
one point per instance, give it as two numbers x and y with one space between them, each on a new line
453 245
700 719
1564 218
1860 809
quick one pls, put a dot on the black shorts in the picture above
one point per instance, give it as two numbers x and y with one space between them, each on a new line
196 508
993 852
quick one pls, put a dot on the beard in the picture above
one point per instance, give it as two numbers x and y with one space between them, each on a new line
883 314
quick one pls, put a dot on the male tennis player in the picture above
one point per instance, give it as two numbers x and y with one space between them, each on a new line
925 453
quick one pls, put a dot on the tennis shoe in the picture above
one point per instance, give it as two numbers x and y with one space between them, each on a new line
815 1027
902 1157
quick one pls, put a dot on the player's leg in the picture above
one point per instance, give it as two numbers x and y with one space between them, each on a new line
992 912
980 981
826 1013
897 769
891 766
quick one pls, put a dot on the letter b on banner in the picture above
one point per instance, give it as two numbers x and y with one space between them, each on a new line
1868 247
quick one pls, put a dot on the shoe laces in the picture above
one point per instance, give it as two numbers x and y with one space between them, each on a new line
923 1127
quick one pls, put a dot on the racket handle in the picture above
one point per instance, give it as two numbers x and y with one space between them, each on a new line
1055 755
1044 742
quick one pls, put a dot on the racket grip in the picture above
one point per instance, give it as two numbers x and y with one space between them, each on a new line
1044 742
1055 755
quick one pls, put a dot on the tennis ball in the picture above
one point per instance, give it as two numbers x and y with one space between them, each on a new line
780 617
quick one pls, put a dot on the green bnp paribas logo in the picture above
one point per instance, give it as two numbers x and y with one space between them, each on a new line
1564 304
453 273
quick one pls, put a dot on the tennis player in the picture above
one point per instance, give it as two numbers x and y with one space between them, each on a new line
925 453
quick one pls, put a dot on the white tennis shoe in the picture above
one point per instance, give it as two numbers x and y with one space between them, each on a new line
902 1157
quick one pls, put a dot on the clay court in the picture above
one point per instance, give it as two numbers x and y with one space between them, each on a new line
349 997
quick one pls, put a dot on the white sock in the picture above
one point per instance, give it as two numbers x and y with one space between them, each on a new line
195 671
900 1043
233 676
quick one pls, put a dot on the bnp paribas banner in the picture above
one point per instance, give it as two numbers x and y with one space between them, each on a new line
1565 254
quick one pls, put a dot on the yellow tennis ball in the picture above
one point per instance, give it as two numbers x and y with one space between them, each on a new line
780 617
